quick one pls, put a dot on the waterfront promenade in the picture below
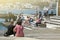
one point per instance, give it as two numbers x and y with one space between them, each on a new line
36 33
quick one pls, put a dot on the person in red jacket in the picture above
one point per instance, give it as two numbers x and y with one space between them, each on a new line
19 30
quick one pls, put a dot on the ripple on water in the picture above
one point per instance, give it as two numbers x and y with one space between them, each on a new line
2 28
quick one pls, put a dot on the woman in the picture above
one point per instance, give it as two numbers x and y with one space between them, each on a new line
38 21
19 30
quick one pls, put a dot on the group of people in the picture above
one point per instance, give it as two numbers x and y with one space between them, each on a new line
31 21
17 29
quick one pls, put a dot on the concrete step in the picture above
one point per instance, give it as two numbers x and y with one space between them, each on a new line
53 23
44 36
26 38
57 17
49 39
48 25
17 38
32 38
56 20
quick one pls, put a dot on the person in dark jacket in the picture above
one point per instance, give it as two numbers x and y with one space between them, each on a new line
10 29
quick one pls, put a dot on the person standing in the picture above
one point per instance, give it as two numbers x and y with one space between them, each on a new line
19 30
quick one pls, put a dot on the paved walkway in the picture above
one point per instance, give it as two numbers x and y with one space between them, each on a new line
37 33
43 33
17 38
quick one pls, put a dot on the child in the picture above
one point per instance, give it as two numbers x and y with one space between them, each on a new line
19 30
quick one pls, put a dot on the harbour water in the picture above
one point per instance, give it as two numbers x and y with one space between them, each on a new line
1 26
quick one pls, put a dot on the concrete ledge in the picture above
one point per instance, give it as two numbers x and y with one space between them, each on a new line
17 38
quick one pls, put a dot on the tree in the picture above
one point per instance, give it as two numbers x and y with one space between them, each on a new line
11 16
